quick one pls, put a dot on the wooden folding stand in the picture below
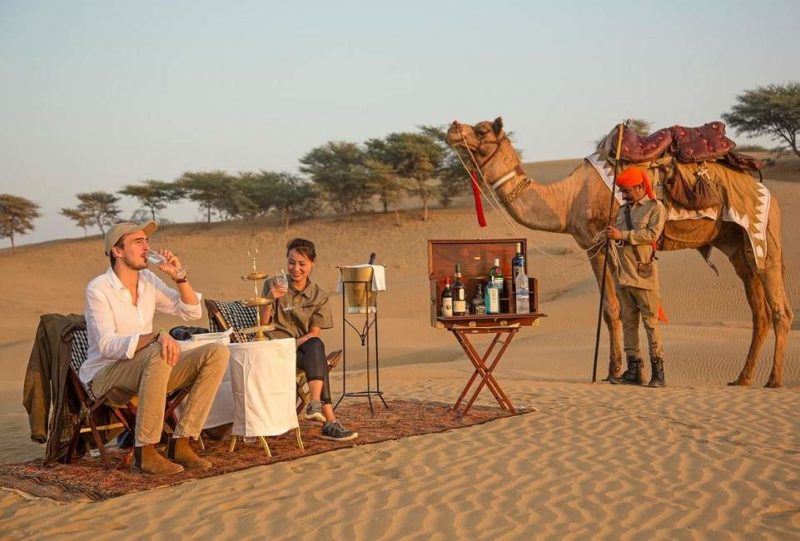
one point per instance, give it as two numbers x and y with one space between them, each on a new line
503 335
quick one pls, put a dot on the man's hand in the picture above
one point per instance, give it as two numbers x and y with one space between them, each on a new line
170 350
612 233
172 266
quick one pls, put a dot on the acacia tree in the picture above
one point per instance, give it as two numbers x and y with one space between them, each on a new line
81 219
211 190
293 198
453 178
337 169
384 182
253 194
152 194
772 110
99 208
16 217
416 157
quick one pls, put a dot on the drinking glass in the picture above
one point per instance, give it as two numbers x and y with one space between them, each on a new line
282 283
157 259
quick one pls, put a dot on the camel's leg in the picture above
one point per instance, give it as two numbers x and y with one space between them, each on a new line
773 281
610 315
761 316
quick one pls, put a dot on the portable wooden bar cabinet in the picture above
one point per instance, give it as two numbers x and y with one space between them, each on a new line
475 258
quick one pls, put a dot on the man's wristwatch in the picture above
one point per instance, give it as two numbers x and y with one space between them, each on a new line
181 281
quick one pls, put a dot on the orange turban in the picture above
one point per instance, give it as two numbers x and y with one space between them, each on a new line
634 176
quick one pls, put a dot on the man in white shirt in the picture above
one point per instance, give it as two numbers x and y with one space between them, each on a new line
125 353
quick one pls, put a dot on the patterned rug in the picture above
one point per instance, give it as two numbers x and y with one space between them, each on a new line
87 480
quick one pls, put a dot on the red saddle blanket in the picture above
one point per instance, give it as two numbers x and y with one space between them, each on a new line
688 145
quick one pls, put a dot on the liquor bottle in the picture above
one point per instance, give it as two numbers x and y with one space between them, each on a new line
496 277
447 299
517 262
496 273
492 297
522 294
478 306
459 294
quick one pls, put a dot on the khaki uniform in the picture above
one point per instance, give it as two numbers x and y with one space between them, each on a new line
297 311
638 296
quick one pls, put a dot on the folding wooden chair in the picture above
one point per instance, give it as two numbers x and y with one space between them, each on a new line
121 403
224 315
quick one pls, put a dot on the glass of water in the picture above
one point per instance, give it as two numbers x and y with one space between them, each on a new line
282 283
157 259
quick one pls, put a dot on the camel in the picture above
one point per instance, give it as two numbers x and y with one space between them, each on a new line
579 205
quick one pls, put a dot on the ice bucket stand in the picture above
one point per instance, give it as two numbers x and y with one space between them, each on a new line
358 298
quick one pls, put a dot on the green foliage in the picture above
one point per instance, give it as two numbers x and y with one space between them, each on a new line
95 208
384 182
415 157
16 216
152 194
81 218
453 178
211 190
293 198
338 170
772 110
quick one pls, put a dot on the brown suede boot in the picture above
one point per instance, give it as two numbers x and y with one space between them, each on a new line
147 460
181 452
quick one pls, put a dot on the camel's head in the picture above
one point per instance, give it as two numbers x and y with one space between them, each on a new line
481 139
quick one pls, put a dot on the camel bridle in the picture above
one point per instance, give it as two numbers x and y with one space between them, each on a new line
480 165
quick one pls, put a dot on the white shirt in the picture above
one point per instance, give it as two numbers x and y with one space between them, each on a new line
114 323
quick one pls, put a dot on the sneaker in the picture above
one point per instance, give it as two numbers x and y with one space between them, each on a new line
334 431
313 412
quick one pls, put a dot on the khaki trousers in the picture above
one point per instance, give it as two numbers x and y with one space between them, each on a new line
200 370
636 304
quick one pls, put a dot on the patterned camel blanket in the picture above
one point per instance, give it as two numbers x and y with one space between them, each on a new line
744 200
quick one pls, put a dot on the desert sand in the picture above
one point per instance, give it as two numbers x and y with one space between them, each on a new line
696 460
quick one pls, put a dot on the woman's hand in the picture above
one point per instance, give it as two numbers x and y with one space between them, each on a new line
277 292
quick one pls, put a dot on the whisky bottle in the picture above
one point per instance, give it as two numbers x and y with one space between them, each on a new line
478 306
447 299
459 294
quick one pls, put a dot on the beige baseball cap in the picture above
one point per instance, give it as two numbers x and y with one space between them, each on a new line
118 231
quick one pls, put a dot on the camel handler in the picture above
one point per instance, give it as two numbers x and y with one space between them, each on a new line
126 353
640 222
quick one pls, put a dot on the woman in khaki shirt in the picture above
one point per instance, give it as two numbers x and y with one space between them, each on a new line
301 310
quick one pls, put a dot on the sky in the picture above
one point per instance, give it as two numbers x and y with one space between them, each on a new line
95 95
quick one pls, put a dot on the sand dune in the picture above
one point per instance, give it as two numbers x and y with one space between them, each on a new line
696 460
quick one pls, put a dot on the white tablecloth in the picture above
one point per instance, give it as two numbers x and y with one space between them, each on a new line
222 407
262 376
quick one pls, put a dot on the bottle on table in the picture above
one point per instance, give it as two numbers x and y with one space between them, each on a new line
478 306
492 297
522 294
459 294
496 281
517 262
447 299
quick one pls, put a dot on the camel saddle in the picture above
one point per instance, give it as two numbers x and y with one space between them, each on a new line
688 145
